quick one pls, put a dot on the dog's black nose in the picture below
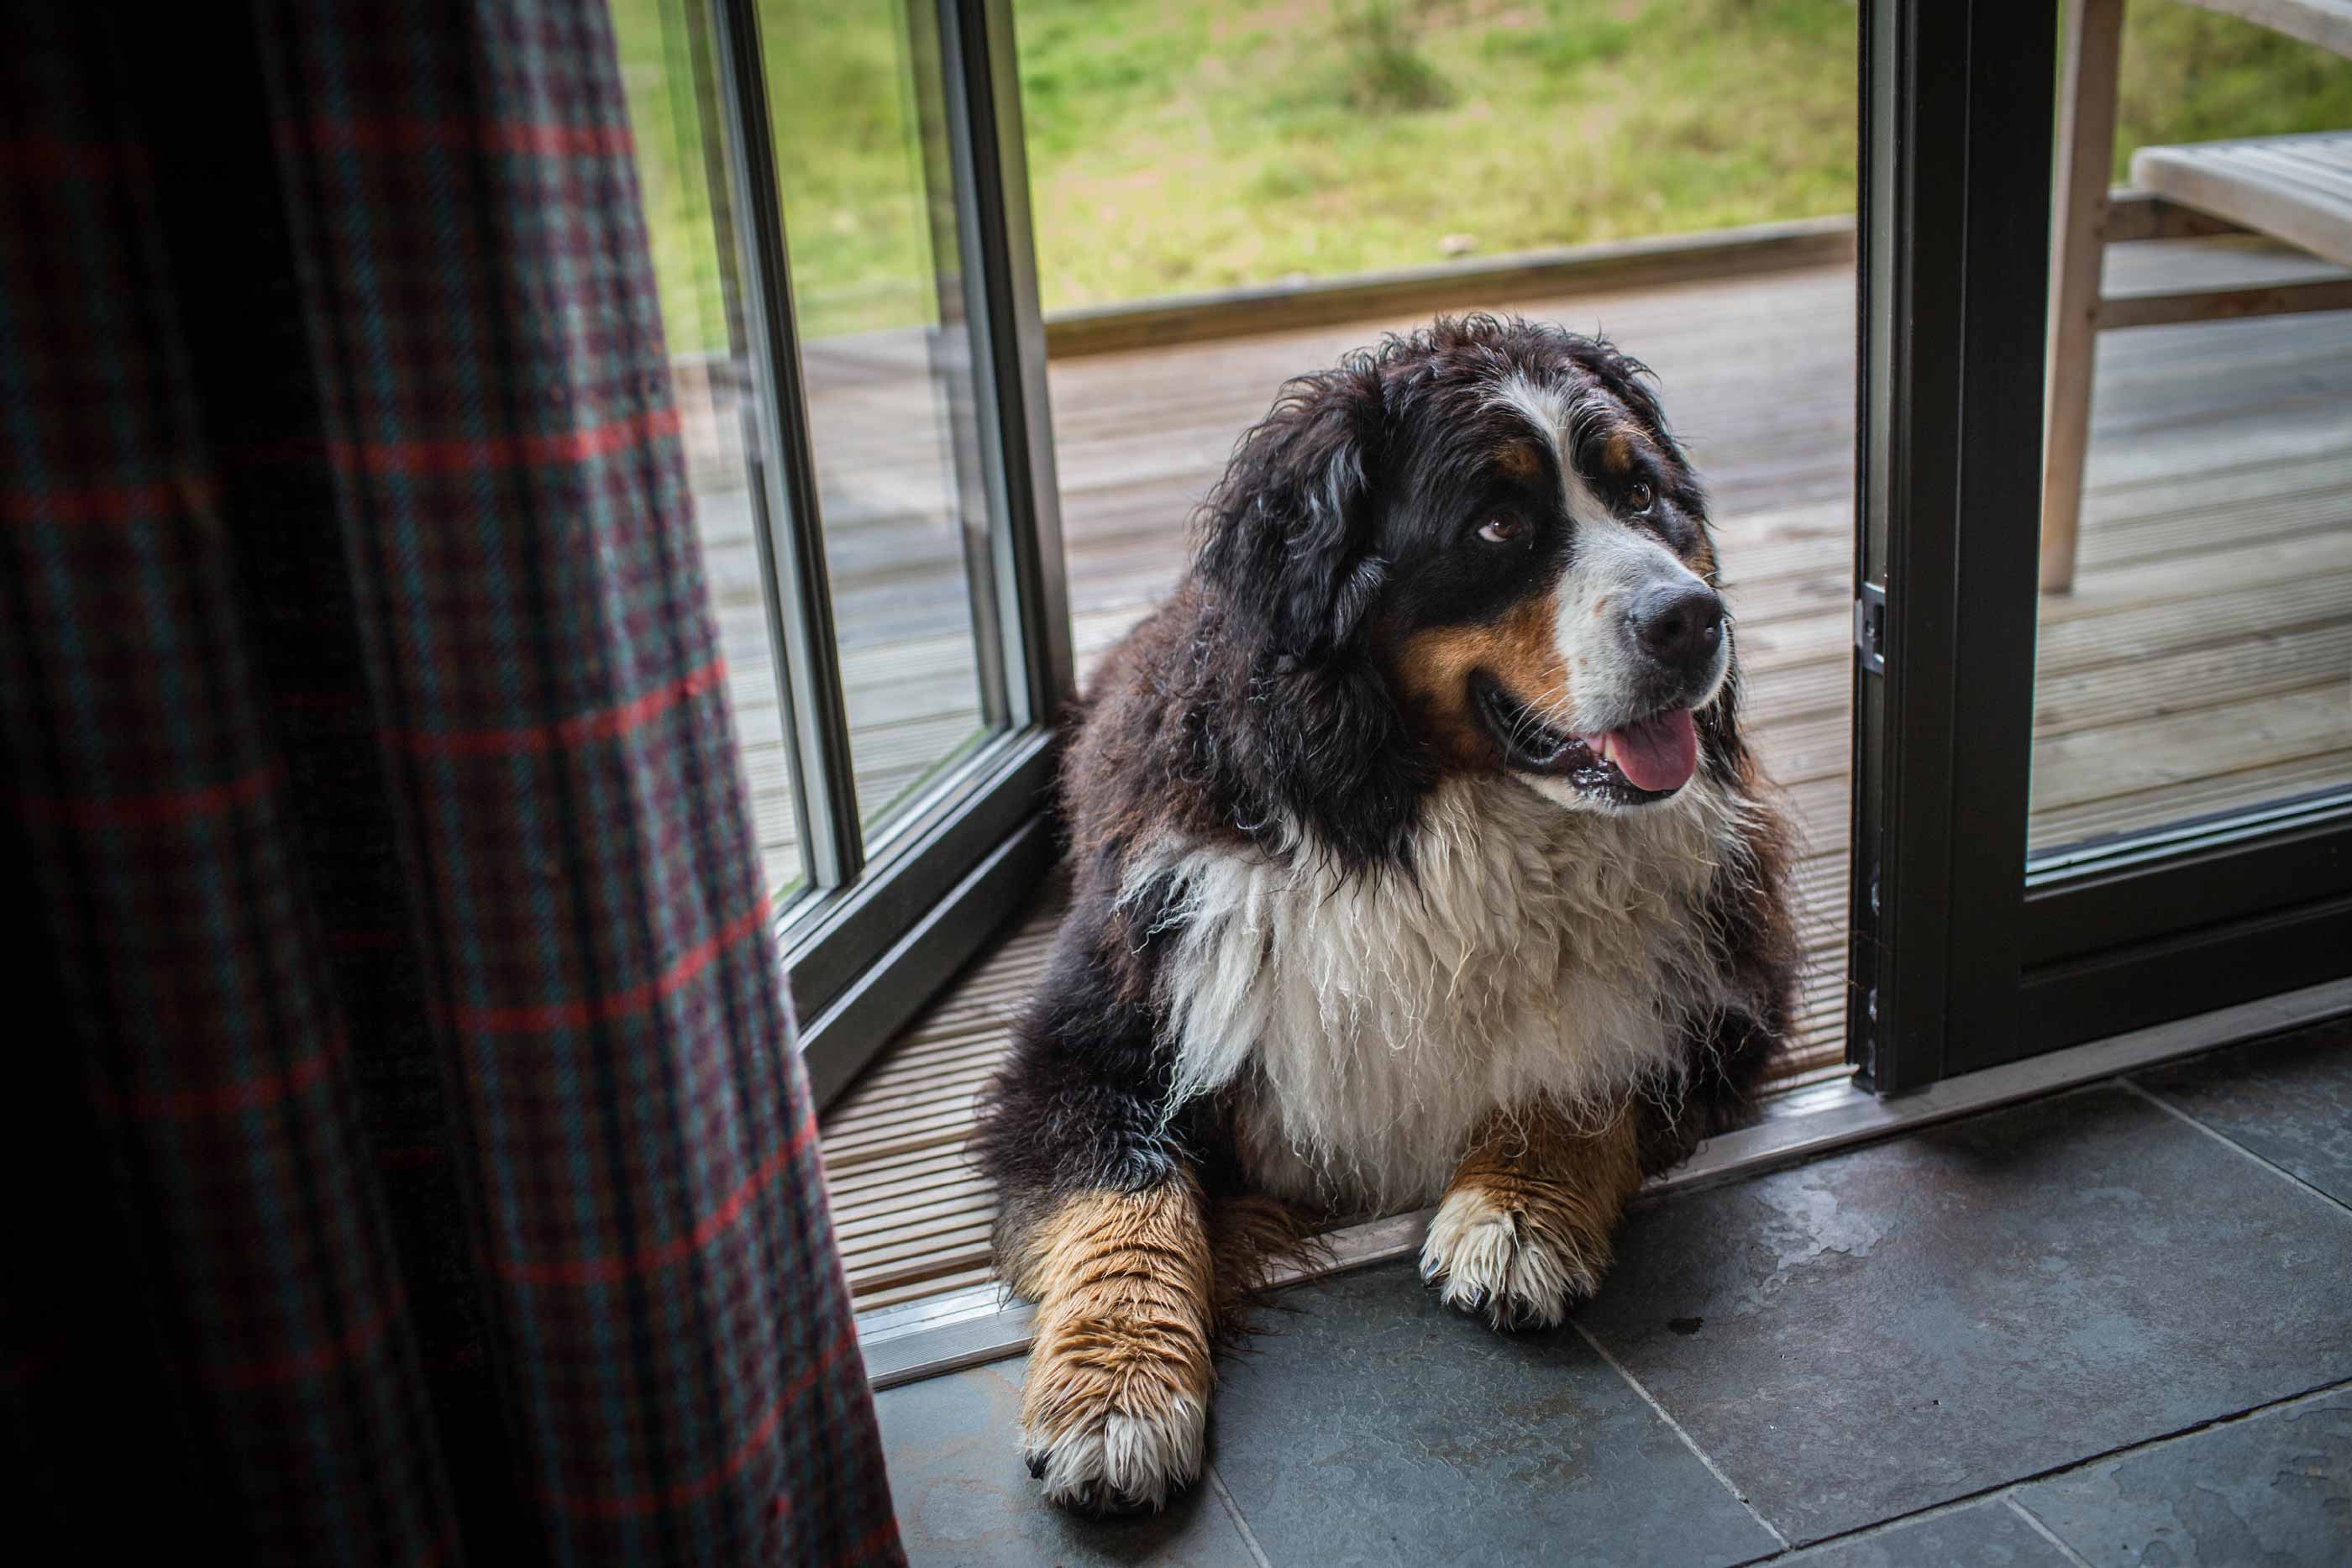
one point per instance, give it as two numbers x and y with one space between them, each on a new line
1679 622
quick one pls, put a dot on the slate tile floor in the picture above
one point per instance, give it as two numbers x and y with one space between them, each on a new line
2110 1327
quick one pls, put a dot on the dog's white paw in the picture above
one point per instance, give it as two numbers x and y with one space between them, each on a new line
1116 1460
1486 1260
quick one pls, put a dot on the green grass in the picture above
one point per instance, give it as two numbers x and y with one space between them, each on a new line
2191 76
1295 140
1182 146
657 77
840 98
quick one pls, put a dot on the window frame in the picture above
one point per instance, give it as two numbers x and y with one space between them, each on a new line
886 915
1966 951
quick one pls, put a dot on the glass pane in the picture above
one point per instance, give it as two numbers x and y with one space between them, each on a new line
677 124
870 218
2199 663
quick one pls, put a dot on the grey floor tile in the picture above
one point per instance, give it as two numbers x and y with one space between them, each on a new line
1988 1535
1370 1425
964 1498
2272 1487
2289 1100
1906 1324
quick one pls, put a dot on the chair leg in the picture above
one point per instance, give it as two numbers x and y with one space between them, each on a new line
2086 136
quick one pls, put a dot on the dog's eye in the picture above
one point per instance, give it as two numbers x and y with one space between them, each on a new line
1638 498
1504 528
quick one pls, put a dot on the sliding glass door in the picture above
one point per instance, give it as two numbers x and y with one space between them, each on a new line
2087 799
837 208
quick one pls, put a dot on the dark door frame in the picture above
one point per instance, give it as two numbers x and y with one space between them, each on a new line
1964 953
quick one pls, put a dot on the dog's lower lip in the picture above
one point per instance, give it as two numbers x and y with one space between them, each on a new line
1529 740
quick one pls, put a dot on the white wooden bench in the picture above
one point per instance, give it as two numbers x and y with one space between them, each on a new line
2296 189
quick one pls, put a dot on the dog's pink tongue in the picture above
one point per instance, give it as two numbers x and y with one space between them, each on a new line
1659 753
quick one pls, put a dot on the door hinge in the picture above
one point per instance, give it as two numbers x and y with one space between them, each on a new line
1862 977
1870 627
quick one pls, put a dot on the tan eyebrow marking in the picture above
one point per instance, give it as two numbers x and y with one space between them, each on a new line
1618 452
1519 459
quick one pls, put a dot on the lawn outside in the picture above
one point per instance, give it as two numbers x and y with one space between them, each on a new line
1177 146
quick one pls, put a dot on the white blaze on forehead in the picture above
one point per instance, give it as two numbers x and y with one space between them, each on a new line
1555 411
1610 561
1541 404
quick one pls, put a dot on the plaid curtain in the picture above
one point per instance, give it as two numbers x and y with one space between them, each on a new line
417 1168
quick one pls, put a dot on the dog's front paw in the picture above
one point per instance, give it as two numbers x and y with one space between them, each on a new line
1503 1263
1108 1425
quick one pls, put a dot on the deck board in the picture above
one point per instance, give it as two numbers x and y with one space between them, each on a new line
2199 665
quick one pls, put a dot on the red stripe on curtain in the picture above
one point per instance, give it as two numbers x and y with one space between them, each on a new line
256 1094
288 1366
540 139
607 1269
103 503
154 808
609 723
588 1506
542 1017
463 455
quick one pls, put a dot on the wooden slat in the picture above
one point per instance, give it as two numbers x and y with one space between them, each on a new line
878 1296
2298 188
931 1266
936 1170
2152 628
2229 568
2187 526
912 1206
2120 310
2163 752
2200 680
2188 799
2135 215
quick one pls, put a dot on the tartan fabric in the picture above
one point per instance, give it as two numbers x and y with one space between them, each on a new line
426 1172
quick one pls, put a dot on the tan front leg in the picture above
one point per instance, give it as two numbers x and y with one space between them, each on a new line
1116 1400
1524 1232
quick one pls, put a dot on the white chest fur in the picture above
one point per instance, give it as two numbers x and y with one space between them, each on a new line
1369 1024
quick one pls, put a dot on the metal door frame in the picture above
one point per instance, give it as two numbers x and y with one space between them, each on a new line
1964 953
886 917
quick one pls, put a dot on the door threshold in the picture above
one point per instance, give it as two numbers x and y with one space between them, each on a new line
957 1329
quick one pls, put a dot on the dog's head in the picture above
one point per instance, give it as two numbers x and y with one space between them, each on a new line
1490 520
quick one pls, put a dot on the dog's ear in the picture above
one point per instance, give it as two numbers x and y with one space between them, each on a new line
1290 552
1288 531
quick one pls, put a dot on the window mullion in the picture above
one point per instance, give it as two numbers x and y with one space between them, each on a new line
790 530
1008 348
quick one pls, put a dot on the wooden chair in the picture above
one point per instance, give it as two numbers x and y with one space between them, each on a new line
2297 189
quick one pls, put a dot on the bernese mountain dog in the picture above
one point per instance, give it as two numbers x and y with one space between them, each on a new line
1417 860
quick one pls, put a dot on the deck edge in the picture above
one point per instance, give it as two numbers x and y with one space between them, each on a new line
1248 311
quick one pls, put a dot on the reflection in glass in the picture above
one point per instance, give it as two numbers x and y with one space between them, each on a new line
2199 663
675 123
870 221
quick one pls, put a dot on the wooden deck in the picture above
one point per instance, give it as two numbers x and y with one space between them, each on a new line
2201 665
